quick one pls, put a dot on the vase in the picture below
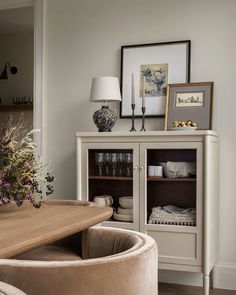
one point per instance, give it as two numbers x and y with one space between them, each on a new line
104 119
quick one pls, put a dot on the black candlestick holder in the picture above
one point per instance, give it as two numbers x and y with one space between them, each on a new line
143 119
132 127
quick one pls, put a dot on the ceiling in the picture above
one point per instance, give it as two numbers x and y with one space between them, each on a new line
16 20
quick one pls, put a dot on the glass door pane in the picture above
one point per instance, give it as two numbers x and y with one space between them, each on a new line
110 181
171 187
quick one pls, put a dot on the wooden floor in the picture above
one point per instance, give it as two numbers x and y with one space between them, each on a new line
171 289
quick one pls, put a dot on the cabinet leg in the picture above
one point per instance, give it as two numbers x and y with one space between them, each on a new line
206 284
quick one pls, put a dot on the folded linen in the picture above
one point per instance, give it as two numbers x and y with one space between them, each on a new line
173 215
178 169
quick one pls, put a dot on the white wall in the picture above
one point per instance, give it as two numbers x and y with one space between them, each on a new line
83 39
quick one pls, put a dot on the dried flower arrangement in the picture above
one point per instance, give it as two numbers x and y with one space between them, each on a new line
22 175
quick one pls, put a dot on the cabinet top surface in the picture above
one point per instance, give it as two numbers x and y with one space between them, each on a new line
147 133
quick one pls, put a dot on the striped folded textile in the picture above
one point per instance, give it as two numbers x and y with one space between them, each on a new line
172 215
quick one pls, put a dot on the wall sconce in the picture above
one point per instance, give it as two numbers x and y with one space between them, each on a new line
13 70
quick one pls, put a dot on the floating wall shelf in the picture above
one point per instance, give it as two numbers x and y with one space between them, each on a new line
16 107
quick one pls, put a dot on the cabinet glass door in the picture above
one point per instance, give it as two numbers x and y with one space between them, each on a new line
109 180
171 199
171 187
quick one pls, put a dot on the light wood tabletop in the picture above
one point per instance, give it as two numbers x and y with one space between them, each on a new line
25 228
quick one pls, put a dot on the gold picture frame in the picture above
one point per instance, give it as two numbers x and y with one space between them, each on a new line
189 101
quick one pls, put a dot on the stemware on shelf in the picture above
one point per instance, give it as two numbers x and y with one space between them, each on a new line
129 164
99 159
107 162
120 164
114 161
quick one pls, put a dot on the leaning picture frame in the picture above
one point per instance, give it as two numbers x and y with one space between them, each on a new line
160 64
189 102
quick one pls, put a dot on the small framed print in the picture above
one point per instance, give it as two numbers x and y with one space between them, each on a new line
189 101
159 64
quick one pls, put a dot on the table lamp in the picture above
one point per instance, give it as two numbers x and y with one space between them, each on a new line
105 89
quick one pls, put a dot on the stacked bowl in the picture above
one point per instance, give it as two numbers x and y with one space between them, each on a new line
125 211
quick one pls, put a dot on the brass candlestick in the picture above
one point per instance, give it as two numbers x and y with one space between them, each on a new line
132 127
143 119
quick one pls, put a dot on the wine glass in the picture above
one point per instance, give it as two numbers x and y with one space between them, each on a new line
121 160
114 161
107 160
99 159
129 164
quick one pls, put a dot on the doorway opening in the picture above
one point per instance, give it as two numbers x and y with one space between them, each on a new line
21 49
17 64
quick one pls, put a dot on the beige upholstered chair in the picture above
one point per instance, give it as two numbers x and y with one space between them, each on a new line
6 289
114 262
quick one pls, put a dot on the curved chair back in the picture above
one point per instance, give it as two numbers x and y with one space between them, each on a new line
115 261
6 289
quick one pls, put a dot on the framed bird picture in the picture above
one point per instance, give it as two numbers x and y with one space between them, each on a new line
147 69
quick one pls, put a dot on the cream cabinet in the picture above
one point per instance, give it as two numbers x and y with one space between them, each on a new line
117 164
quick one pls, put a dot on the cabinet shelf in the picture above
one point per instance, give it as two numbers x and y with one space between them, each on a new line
16 107
170 228
111 178
165 179
114 221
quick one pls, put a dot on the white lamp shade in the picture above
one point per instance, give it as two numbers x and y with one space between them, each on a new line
105 88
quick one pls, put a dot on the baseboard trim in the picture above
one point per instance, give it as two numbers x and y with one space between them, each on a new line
180 278
224 275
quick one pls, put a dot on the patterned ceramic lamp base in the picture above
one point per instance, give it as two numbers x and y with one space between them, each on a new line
104 119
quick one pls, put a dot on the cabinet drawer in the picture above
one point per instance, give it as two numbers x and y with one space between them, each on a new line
176 247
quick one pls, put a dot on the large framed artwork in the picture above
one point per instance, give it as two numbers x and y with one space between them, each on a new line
189 102
157 65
